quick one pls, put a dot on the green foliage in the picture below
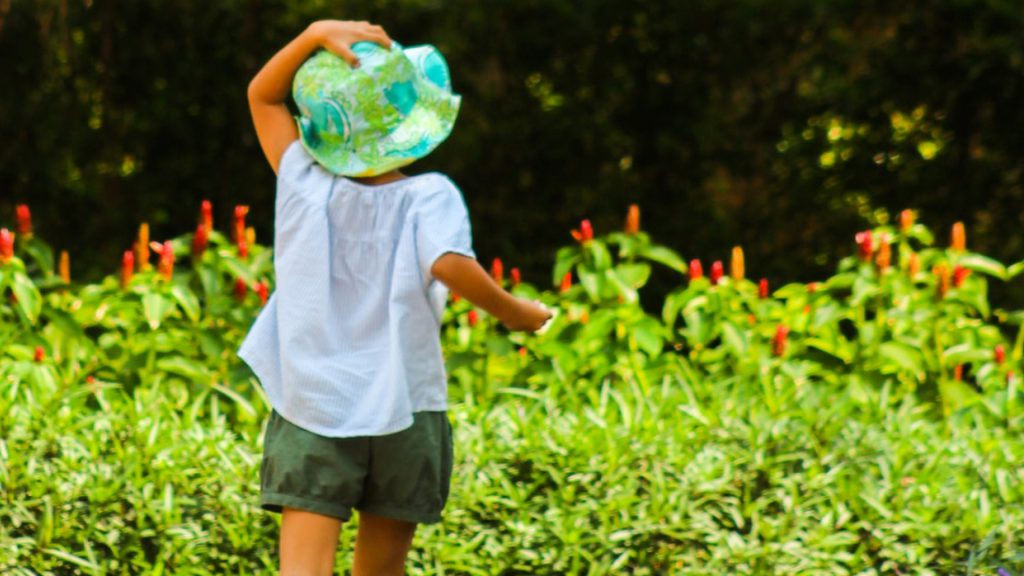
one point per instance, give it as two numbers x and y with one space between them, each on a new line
880 434
778 125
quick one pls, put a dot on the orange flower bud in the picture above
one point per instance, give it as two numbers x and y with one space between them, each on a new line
913 265
958 237
884 258
941 272
1000 353
958 372
473 317
39 354
64 267
142 247
736 270
762 288
516 278
584 316
566 283
906 220
633 219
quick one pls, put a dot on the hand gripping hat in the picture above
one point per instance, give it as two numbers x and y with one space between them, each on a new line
397 106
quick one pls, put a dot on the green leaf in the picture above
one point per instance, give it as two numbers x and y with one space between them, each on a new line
735 339
666 256
635 274
155 308
965 353
901 354
187 300
648 334
189 369
236 269
983 264
30 302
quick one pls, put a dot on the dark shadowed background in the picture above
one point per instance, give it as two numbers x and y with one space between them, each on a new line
783 126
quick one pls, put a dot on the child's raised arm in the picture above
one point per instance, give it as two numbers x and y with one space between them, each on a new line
466 277
269 89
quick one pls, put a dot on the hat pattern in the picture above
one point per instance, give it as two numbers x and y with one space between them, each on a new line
397 106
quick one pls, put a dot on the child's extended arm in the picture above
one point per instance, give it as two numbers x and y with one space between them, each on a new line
466 277
269 89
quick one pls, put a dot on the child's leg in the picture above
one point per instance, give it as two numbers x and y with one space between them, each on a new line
382 545
308 543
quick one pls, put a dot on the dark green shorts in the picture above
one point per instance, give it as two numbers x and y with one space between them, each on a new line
405 475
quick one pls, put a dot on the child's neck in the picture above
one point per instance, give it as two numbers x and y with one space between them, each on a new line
380 178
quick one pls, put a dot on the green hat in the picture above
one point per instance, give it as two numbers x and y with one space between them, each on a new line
397 106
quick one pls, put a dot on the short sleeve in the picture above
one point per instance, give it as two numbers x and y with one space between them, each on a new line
299 175
442 225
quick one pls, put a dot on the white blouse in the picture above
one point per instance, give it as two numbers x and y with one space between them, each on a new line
349 342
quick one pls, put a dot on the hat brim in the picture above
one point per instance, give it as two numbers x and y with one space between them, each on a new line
426 125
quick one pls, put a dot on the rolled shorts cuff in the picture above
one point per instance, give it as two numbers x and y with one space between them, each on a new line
275 502
414 515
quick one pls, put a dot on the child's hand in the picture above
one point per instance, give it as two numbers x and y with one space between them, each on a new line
530 316
339 35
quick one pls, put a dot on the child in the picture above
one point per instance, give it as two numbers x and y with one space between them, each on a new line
348 346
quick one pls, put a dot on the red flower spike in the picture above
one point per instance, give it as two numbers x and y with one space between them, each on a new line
6 245
717 270
566 283
497 271
206 217
200 240
473 317
632 219
585 234
127 268
958 372
959 275
241 289
762 288
1000 353
260 288
24 216
166 252
696 271
39 354
516 279
779 340
522 351
243 250
864 244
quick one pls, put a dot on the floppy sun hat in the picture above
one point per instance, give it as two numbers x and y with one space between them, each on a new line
397 106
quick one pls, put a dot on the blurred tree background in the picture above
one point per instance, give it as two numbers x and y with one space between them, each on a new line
784 126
